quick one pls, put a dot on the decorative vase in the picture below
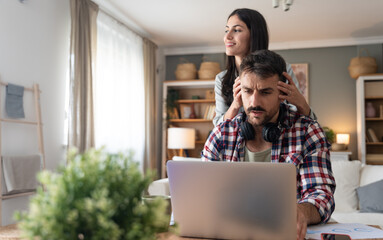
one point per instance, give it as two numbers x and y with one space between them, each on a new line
370 110
192 114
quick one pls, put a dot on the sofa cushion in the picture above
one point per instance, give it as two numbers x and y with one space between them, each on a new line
370 174
159 187
346 175
371 197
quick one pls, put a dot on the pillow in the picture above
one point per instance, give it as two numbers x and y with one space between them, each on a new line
371 197
370 174
346 174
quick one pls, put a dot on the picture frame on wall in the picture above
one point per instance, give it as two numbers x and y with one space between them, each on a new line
301 72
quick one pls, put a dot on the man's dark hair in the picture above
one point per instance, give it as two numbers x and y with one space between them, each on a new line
264 63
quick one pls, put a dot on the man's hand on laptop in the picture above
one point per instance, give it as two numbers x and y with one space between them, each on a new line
306 214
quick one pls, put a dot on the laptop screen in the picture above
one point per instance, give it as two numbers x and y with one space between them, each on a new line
234 200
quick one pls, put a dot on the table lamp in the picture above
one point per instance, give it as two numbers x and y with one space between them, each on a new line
181 138
342 141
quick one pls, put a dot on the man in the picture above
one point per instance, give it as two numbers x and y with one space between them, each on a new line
269 131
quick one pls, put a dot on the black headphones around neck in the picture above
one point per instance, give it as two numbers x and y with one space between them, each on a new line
270 132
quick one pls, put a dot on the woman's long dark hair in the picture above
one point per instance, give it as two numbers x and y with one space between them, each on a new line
259 39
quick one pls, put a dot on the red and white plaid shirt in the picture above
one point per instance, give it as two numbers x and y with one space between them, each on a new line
302 143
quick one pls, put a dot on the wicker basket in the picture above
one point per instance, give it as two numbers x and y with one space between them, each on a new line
207 74
186 71
362 65
209 65
208 70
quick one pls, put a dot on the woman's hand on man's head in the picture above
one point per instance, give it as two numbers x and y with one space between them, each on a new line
237 98
291 93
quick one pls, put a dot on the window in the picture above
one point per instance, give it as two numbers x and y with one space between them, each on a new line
119 108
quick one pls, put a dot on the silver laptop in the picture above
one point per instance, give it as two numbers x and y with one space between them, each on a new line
234 200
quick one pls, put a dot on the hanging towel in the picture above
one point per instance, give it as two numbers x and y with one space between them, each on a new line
14 101
20 173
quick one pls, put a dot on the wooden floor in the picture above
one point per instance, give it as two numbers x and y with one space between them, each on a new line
9 232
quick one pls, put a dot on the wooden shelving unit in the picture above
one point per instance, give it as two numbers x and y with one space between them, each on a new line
370 89
187 89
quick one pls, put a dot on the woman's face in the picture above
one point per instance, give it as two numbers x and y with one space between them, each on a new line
237 37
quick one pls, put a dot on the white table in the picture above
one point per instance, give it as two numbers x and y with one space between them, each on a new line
339 155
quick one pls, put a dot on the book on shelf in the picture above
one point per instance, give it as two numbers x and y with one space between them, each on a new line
372 135
206 111
212 113
209 112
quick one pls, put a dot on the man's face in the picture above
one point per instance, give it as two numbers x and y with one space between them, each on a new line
260 98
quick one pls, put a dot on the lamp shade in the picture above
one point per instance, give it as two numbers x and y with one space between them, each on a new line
181 138
343 138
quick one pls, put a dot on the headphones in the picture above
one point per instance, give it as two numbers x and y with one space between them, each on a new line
270 132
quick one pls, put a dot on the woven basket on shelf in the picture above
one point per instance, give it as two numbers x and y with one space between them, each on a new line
208 70
186 71
362 65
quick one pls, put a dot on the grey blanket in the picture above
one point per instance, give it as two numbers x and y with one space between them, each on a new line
19 173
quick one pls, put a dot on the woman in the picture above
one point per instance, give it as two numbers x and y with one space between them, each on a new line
246 31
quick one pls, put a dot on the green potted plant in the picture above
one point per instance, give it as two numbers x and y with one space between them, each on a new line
171 104
96 196
330 134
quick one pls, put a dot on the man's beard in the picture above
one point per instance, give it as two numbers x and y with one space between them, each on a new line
267 117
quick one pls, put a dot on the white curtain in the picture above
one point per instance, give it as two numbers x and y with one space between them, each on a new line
119 107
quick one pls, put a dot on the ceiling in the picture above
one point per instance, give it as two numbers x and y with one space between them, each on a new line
201 23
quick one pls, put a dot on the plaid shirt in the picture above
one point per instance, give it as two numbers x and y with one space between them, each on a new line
302 143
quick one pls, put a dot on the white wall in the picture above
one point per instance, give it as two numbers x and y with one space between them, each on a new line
34 47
